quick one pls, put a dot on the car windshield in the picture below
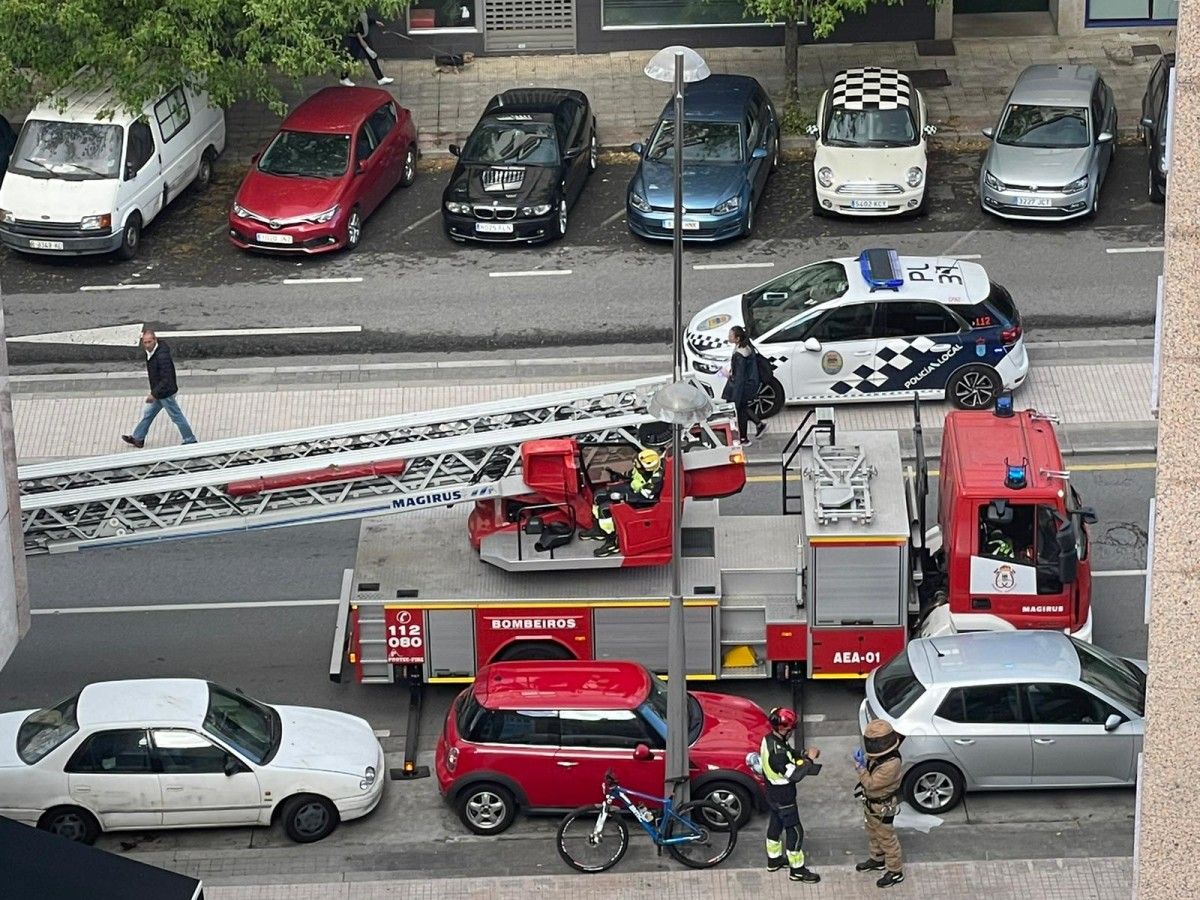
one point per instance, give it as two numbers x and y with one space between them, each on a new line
707 142
779 300
508 140
73 151
1117 678
1044 126
870 127
46 729
300 153
250 727
896 687
655 709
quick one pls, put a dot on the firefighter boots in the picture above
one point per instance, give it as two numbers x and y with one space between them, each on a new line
869 865
608 548
889 879
804 874
775 863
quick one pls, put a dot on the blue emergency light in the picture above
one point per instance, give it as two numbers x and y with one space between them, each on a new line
1015 478
881 269
1004 405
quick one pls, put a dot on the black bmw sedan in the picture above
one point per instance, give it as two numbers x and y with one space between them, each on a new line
522 168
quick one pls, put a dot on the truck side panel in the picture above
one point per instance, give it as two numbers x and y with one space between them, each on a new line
639 633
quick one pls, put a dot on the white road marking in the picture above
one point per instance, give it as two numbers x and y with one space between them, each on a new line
613 217
421 221
254 332
120 287
127 335
1133 249
180 607
530 274
967 255
383 732
709 267
1120 573
352 280
812 717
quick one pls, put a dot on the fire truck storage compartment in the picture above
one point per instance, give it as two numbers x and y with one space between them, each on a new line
639 633
451 636
860 584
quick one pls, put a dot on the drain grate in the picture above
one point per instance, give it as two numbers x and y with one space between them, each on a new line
929 78
1142 50
935 48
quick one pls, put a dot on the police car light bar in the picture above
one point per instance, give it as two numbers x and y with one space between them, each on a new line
881 269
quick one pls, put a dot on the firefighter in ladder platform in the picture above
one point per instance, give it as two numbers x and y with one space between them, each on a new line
645 484
782 768
879 768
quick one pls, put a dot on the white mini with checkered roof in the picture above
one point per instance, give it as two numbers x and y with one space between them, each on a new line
942 329
870 145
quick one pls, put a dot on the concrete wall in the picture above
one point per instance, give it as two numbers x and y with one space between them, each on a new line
14 588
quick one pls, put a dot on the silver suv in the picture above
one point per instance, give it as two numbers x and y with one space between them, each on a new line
1009 711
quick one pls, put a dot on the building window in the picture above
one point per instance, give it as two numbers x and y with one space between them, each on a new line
1102 12
675 13
443 15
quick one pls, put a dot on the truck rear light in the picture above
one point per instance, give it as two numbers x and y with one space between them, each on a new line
1010 335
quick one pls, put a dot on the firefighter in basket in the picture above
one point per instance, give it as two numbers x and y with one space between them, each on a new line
879 766
782 768
644 485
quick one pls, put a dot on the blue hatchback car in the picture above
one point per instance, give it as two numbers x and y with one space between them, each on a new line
730 149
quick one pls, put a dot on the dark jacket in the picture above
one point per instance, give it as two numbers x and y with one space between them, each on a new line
787 766
743 384
160 368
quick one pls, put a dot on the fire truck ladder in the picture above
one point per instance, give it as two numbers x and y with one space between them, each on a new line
321 474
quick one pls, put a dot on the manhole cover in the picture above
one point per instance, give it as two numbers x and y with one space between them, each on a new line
929 78
935 48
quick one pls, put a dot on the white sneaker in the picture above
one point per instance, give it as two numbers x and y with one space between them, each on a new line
386 80
346 82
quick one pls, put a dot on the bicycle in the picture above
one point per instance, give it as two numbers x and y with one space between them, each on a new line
601 831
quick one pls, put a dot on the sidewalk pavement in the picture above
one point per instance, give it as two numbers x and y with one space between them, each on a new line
1103 878
1099 407
627 103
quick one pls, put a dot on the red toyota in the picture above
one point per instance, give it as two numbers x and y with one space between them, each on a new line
540 735
334 160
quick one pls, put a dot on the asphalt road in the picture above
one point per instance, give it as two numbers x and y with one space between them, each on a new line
420 290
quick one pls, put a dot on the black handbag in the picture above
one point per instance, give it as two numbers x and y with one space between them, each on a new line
766 368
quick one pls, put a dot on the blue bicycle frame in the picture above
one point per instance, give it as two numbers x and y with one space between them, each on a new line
656 830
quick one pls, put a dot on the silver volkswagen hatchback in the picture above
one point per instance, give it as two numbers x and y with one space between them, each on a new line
1009 710
1052 146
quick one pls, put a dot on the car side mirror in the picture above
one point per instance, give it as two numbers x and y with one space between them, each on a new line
233 766
360 168
1146 122
1104 137
573 153
930 130
812 344
812 130
642 752
455 150
1068 553
1113 722
637 147
759 153
988 132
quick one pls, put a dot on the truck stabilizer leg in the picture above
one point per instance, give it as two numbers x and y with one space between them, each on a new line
410 770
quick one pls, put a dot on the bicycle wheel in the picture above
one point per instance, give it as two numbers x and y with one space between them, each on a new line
706 845
587 846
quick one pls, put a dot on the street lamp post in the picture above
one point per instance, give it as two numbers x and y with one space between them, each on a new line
679 403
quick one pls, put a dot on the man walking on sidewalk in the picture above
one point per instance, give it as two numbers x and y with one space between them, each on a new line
161 370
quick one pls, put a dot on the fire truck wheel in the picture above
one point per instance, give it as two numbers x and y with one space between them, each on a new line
732 797
973 387
769 399
933 787
72 823
526 650
308 818
486 808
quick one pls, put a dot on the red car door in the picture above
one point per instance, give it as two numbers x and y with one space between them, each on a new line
391 146
594 741
369 178
519 744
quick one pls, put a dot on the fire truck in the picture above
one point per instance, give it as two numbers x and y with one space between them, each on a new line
488 564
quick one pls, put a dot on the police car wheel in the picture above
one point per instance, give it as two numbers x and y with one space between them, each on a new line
973 387
769 399
933 787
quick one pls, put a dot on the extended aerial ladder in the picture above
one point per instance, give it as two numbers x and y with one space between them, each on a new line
321 474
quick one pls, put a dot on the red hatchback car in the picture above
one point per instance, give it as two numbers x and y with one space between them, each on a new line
333 161
540 736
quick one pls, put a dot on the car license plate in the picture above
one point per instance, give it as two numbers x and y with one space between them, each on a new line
868 204
688 224
273 238
46 245
494 227
1033 201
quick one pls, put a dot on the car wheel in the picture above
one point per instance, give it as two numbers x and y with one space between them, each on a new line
204 174
561 224
1153 191
410 167
973 387
353 229
131 237
593 152
309 818
769 399
922 207
933 787
748 227
72 823
733 798
818 210
487 808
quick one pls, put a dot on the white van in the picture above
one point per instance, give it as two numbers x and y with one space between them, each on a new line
83 179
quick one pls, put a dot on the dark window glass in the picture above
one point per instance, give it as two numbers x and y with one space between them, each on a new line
870 127
906 319
986 704
113 751
621 729
251 728
172 114
383 120
46 730
783 298
141 146
705 142
309 154
365 145
846 323
513 726
1116 677
896 687
512 139
1043 126
1065 704
1098 108
185 752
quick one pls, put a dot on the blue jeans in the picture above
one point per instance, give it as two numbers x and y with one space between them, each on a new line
171 405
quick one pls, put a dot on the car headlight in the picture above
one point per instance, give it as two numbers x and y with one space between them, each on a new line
706 368
323 217
825 176
368 778
713 322
993 182
638 202
460 208
1079 184
727 206
540 210
96 223
7 217
914 177
241 212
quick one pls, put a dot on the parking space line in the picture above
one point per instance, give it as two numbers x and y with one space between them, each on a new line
120 287
261 332
613 218
1120 573
532 273
1133 249
348 280
966 255
711 267
385 732
421 221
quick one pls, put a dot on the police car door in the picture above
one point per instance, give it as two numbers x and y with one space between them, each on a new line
920 345
833 359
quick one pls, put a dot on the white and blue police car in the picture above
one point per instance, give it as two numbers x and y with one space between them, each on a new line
877 327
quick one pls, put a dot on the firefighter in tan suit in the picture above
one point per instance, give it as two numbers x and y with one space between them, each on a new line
879 770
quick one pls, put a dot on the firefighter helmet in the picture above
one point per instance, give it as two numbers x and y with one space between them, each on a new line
782 718
649 460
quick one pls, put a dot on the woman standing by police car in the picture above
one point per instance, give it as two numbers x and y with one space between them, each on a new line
744 382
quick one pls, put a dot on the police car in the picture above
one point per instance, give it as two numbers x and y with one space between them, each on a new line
877 327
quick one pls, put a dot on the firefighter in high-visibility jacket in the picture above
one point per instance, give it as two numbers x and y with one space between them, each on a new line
782 768
644 487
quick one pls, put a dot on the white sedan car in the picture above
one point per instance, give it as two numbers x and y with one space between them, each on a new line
184 753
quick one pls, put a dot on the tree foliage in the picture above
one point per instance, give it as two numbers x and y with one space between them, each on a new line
231 48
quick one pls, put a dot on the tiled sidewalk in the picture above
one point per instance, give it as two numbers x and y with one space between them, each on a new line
55 426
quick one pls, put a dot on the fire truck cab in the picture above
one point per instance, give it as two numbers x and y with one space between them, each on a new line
1014 539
